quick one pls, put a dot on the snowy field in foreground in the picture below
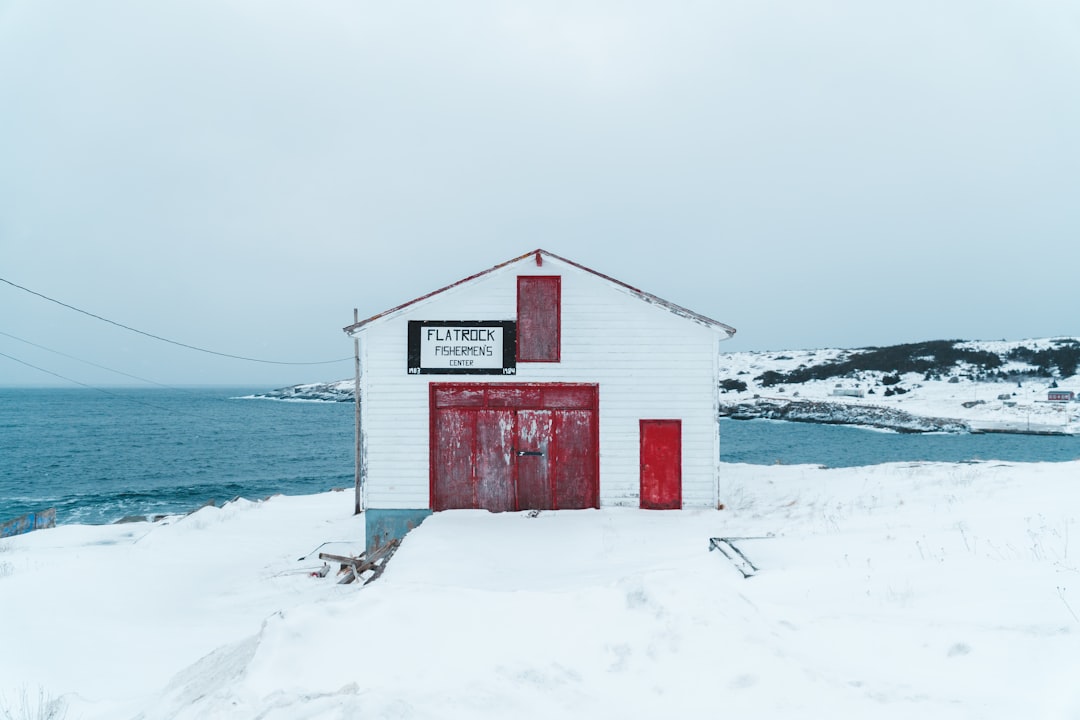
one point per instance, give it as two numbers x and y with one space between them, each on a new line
891 591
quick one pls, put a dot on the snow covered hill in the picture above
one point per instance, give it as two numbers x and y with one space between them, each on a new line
936 386
942 386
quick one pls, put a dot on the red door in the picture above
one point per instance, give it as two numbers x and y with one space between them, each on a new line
500 447
575 459
494 459
454 455
661 464
534 459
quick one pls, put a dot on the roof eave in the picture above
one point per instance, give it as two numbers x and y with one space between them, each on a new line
641 294
350 329
653 299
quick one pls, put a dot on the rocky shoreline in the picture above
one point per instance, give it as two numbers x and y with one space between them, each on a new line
811 411
829 413
978 416
340 391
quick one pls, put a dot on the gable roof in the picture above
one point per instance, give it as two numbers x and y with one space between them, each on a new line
640 294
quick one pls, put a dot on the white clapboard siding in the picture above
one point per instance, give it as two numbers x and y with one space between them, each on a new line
649 362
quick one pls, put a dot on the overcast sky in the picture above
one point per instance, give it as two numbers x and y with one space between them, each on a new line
239 175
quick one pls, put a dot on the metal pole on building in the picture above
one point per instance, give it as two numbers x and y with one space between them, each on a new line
359 475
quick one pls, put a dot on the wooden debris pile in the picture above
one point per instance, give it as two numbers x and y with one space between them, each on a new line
363 567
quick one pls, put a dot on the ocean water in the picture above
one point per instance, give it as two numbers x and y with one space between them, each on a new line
98 457
763 442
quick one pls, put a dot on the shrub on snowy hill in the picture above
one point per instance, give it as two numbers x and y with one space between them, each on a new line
934 357
770 378
1065 356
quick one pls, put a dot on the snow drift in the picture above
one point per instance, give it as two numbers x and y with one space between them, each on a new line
937 590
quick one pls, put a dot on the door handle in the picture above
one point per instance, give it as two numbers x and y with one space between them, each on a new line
530 453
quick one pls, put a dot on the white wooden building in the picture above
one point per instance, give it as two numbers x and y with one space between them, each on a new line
537 384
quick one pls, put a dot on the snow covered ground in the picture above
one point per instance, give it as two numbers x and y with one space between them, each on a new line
1019 406
889 591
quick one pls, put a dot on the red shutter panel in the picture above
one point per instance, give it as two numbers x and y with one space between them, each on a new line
538 318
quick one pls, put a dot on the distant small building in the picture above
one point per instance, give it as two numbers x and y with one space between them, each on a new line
1060 396
848 392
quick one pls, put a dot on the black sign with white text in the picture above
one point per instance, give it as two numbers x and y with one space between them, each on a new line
462 347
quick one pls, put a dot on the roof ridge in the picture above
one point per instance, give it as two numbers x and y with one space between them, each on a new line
641 294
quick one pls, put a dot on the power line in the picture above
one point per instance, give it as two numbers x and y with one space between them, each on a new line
163 339
88 362
100 390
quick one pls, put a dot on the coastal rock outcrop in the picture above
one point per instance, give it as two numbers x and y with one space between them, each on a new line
340 391
829 413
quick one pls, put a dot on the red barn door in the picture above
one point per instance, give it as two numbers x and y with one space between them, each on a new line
501 447
534 460
661 464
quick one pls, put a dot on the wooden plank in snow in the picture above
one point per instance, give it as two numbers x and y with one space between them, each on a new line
28 522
